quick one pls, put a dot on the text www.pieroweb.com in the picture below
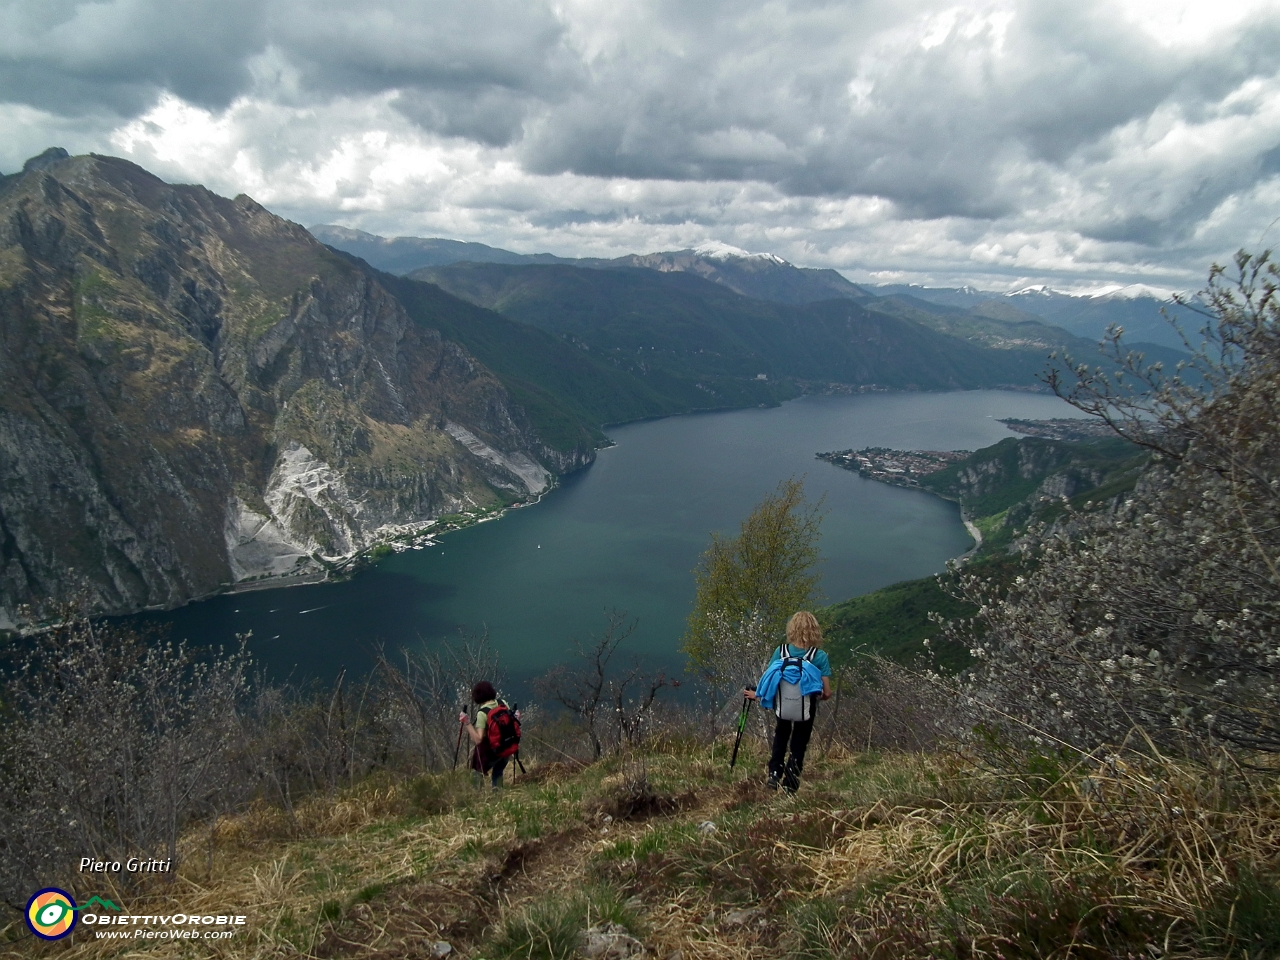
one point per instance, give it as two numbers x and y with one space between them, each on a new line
179 926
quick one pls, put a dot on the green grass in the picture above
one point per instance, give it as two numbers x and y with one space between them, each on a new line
551 928
92 289
1244 919
893 622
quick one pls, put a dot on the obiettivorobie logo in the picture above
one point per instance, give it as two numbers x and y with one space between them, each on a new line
51 913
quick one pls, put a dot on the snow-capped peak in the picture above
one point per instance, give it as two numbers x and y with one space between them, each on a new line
717 250
1131 291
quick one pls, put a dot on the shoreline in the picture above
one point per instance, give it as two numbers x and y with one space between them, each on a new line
973 532
343 568
346 567
336 570
903 470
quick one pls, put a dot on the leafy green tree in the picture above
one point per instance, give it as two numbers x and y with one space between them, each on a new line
757 579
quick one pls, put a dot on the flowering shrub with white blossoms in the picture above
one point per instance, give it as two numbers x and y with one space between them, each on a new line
1156 621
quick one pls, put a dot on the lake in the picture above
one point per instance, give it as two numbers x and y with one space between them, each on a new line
625 534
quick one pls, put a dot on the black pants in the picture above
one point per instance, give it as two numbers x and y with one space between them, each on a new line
794 734
481 764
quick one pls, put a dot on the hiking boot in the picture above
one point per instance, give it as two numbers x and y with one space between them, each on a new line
772 782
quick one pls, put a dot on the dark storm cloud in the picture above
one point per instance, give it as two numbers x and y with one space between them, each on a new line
935 129
70 56
392 42
74 58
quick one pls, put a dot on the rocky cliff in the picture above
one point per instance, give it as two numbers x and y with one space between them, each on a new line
1017 479
195 392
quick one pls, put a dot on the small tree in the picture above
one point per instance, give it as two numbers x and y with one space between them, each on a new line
753 582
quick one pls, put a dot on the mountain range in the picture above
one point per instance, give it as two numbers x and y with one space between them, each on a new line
197 394
767 277
761 276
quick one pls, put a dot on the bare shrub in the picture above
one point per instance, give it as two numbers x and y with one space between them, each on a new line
424 693
300 740
613 707
111 746
738 649
883 705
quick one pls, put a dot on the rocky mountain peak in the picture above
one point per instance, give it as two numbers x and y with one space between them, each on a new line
45 159
194 392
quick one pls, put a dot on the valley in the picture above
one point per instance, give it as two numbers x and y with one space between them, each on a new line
199 395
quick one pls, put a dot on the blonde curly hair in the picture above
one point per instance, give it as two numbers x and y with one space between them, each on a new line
803 630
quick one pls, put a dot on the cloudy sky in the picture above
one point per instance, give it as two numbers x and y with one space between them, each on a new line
1075 142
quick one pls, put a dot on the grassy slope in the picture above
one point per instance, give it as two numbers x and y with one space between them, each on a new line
926 855
892 622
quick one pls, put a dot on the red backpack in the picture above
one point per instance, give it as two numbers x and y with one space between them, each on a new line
501 730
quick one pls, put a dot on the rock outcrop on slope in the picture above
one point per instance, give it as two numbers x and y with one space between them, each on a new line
194 392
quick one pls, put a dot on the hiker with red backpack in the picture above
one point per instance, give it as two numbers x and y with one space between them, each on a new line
496 733
796 678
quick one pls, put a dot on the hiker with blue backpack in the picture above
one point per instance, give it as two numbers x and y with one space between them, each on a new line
797 676
496 733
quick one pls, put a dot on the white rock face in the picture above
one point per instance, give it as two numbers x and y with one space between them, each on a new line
533 475
313 513
300 484
301 489
256 545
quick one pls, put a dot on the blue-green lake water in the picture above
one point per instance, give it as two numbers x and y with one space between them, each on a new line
625 534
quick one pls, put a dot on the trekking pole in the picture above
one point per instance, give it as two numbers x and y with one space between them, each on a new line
523 771
457 746
742 725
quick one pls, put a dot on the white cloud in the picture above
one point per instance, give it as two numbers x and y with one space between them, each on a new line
998 142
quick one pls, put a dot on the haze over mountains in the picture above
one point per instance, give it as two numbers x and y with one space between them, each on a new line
762 276
766 277
195 392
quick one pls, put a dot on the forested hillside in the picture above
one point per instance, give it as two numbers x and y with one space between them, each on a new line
677 325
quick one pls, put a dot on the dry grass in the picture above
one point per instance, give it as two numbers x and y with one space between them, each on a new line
878 856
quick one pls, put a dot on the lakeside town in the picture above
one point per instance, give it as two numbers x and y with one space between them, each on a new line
905 467
901 467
